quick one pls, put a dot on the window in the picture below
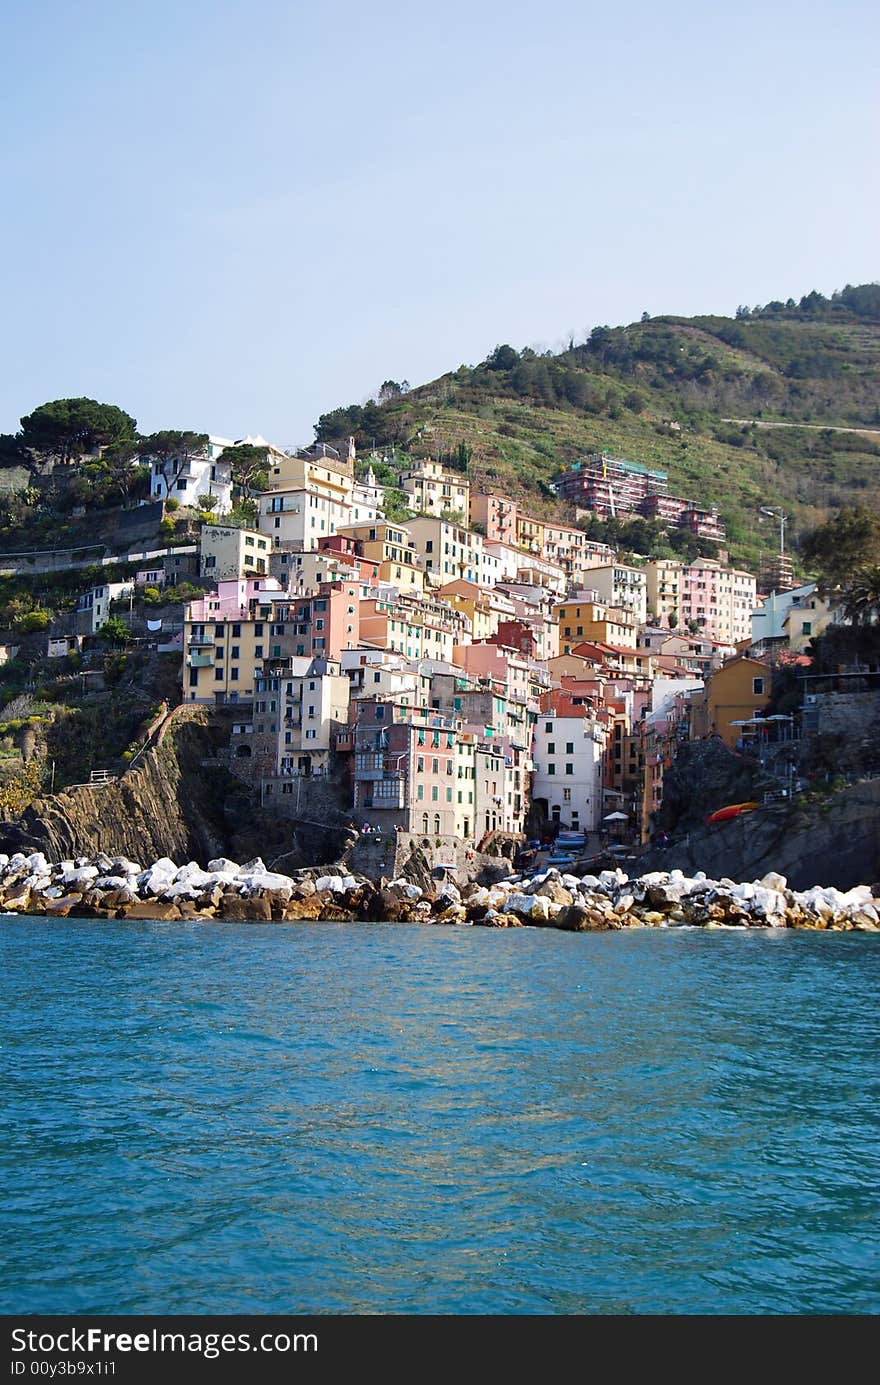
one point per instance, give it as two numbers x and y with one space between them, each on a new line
233 653
551 747
218 675
548 727
569 769
569 747
435 766
566 795
806 627
233 674
380 713
449 795
757 687
420 764
236 632
420 791
551 769
435 793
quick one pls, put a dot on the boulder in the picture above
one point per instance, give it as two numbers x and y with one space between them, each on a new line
554 891
150 909
308 908
241 908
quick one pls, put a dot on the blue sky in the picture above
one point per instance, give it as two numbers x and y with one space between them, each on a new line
234 217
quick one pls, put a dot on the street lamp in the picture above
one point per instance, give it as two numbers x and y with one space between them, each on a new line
777 512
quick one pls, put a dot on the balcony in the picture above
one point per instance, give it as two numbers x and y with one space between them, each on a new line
200 661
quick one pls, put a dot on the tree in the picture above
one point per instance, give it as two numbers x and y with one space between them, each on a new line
120 463
842 546
503 358
172 450
249 467
113 631
861 602
67 429
12 450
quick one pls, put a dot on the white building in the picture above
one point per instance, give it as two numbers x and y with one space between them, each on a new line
623 586
94 604
367 500
568 753
185 479
385 673
448 551
229 552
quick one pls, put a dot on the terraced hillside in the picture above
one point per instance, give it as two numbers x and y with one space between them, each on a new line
663 392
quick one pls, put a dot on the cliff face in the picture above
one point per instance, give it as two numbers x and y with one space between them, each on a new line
834 842
166 806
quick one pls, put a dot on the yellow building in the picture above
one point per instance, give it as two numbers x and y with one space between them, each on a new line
475 604
663 589
530 534
391 546
591 620
737 691
433 491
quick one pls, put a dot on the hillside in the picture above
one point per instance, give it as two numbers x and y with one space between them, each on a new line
518 417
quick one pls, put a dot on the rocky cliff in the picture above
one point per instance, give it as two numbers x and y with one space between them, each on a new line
166 806
833 841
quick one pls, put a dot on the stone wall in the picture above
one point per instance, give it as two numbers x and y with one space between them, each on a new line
848 714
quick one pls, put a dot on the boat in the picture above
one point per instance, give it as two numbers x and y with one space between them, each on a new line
733 810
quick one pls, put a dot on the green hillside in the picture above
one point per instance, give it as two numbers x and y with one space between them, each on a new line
517 418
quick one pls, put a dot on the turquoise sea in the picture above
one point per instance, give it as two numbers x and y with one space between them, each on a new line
358 1118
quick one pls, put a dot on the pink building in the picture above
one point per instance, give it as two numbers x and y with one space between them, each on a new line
496 514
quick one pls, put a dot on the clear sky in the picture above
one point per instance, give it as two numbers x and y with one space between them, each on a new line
233 217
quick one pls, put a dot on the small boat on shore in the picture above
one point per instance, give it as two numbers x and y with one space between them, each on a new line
733 810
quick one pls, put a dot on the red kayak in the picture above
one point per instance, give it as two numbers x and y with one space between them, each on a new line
732 811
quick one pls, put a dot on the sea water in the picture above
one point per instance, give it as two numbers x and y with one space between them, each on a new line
371 1118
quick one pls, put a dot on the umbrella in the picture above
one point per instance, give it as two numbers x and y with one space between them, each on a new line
616 817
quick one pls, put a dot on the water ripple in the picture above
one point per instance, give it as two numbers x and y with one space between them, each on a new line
370 1118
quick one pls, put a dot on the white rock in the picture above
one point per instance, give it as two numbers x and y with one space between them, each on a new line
269 880
121 865
224 865
80 875
519 903
182 890
773 881
329 882
159 877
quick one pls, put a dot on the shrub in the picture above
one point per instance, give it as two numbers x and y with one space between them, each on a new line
31 622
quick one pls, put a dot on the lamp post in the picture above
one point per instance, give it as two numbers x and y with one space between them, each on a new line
777 512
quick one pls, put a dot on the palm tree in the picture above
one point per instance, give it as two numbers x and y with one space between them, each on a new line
861 596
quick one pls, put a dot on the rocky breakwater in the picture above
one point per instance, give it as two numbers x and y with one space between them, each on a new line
117 888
